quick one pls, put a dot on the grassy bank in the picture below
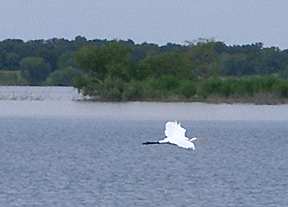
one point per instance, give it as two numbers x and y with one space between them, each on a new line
210 100
258 89
11 78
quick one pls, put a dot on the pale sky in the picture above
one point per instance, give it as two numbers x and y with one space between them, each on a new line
158 21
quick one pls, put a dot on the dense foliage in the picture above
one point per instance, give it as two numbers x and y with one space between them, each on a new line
123 70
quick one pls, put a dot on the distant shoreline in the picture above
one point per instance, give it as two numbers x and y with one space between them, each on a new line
211 100
38 93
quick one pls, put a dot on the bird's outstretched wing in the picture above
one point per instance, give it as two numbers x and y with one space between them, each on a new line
174 130
183 143
175 134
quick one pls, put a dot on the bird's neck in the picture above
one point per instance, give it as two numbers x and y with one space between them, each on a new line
146 143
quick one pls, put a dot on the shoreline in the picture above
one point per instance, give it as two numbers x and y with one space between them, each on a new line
230 101
38 93
210 102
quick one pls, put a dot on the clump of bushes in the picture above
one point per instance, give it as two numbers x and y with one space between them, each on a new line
170 88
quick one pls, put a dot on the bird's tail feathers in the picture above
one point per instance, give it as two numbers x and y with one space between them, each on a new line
193 139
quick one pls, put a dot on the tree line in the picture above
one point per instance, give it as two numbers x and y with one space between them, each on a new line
125 70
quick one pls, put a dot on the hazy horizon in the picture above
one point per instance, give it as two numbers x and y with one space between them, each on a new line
232 22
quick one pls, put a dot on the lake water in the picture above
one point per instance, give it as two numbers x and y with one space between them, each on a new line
69 154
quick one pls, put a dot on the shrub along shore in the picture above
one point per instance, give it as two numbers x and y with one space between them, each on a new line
259 90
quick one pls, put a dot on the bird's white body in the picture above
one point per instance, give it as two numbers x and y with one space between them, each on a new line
175 134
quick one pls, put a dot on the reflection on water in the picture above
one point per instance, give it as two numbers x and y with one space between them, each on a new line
38 93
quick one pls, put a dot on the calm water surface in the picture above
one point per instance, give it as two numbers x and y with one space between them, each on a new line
66 154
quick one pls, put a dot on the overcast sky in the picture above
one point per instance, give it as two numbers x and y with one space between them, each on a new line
158 21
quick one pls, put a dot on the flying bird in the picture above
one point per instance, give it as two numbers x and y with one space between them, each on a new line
175 134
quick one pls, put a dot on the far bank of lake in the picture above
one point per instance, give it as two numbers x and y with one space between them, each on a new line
58 102
48 93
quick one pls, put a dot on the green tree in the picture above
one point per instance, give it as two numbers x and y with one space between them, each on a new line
171 63
187 88
109 60
284 73
34 69
63 77
66 60
204 59
12 61
102 65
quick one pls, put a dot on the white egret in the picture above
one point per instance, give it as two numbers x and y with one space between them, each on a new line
175 134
